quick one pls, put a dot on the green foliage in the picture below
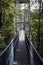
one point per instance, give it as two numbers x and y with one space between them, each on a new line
7 30
34 27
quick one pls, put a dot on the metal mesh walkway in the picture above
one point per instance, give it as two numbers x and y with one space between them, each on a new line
21 57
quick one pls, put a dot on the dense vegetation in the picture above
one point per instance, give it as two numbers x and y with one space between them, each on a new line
37 29
34 27
6 22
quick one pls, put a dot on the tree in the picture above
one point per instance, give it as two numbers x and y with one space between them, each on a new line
6 22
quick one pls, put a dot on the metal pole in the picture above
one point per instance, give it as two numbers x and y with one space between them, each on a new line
29 18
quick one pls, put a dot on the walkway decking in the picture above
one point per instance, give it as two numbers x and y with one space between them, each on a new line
21 57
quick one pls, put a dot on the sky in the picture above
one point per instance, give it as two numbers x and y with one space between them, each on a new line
33 5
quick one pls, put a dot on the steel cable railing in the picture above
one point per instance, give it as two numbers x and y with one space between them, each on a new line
34 57
7 56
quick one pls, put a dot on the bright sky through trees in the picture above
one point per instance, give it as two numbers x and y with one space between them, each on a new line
34 5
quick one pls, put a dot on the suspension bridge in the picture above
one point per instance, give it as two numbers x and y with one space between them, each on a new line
20 50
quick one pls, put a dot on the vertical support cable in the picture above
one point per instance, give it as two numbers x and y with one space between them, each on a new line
29 18
24 17
16 14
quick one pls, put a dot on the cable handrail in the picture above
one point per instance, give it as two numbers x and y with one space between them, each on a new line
7 46
35 51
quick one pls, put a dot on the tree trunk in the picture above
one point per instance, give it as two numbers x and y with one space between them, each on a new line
39 26
0 20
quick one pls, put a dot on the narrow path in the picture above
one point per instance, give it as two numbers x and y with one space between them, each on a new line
21 57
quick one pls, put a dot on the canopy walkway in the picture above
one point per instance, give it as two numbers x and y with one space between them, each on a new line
20 53
20 50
